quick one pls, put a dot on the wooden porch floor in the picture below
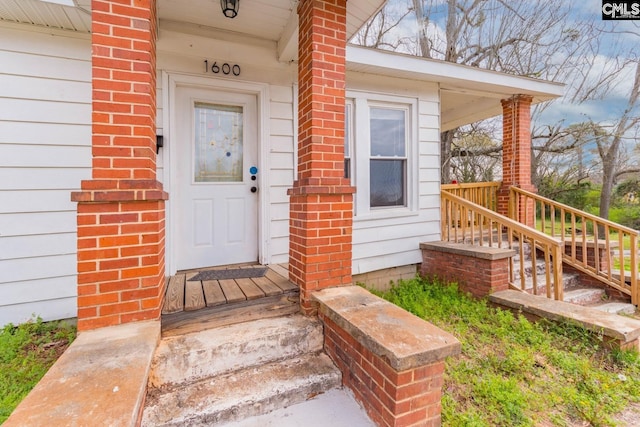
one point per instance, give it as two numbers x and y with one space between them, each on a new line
197 304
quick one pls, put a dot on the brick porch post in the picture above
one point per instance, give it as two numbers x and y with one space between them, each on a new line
121 216
516 153
321 203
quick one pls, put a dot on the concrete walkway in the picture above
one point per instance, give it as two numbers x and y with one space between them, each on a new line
335 408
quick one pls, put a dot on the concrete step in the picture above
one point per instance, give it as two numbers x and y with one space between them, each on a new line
241 394
585 296
191 357
540 267
569 281
615 307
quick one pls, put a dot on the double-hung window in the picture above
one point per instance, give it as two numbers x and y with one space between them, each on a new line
388 157
379 142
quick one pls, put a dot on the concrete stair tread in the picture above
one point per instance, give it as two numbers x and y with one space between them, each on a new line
569 281
240 394
616 307
191 357
584 296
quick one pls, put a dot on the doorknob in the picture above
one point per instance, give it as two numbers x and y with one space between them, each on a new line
254 189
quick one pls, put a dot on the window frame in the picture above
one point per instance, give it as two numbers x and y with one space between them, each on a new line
348 139
361 103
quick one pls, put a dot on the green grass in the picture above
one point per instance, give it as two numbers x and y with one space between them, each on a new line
516 373
27 351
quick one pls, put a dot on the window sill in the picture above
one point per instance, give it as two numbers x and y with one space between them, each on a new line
385 214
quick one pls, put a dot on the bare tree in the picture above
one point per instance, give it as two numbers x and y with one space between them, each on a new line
526 38
610 145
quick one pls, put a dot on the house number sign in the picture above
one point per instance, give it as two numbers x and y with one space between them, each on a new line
221 68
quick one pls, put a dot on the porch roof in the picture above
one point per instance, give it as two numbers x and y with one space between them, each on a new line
273 20
467 94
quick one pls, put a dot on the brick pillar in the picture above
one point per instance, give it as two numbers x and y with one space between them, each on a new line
321 203
121 216
516 154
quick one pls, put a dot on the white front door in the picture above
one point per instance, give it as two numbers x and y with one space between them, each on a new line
217 200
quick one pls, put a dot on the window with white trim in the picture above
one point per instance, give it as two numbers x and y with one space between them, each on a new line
379 148
388 157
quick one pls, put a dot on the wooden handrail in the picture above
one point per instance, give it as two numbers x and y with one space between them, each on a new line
484 194
578 212
466 222
604 242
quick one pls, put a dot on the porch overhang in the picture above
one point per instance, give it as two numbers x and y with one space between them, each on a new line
467 94
275 21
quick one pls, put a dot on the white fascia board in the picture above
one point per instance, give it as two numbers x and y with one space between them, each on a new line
450 76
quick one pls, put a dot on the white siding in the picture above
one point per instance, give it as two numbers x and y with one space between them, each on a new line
45 151
281 161
380 243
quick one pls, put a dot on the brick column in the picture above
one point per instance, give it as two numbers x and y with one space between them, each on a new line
121 216
321 203
516 153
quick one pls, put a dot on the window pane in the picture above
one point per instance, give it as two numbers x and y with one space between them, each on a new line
387 183
218 143
387 132
347 129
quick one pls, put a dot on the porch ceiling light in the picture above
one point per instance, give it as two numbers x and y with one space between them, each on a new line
230 7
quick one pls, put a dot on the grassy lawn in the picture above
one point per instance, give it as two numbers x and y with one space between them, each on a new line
516 373
26 353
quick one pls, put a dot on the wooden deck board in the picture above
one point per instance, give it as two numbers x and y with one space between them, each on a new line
250 289
280 281
185 295
268 287
231 291
193 295
262 308
213 294
174 301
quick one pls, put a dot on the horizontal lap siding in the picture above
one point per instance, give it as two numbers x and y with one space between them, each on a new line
45 151
393 242
281 161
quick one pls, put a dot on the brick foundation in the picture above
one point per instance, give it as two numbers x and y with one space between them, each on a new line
478 270
321 202
121 212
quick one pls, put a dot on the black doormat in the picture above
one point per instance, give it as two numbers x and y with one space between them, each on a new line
234 273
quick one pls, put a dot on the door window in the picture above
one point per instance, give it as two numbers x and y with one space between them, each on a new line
218 143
